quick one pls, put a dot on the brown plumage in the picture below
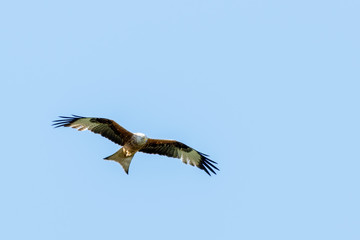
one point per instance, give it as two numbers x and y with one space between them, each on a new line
134 142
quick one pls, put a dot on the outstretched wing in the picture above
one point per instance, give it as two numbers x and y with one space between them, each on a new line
175 149
105 127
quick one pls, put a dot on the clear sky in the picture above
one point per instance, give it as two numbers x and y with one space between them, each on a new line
269 89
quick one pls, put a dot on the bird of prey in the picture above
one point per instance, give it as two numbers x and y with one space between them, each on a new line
134 142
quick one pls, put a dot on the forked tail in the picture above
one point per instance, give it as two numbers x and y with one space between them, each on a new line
121 158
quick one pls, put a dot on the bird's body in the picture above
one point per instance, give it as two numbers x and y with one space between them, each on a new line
137 142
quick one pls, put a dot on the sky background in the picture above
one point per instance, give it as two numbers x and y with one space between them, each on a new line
269 89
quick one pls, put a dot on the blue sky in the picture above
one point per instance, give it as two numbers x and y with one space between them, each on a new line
269 89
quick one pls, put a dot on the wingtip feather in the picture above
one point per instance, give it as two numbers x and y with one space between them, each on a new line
65 121
207 164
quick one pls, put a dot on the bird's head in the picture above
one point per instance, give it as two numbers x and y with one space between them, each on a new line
140 138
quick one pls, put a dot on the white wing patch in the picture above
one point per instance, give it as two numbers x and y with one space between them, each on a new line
84 124
193 157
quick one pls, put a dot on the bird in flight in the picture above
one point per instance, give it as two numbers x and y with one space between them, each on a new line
137 142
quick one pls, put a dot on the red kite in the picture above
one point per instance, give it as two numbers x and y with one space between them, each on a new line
134 142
